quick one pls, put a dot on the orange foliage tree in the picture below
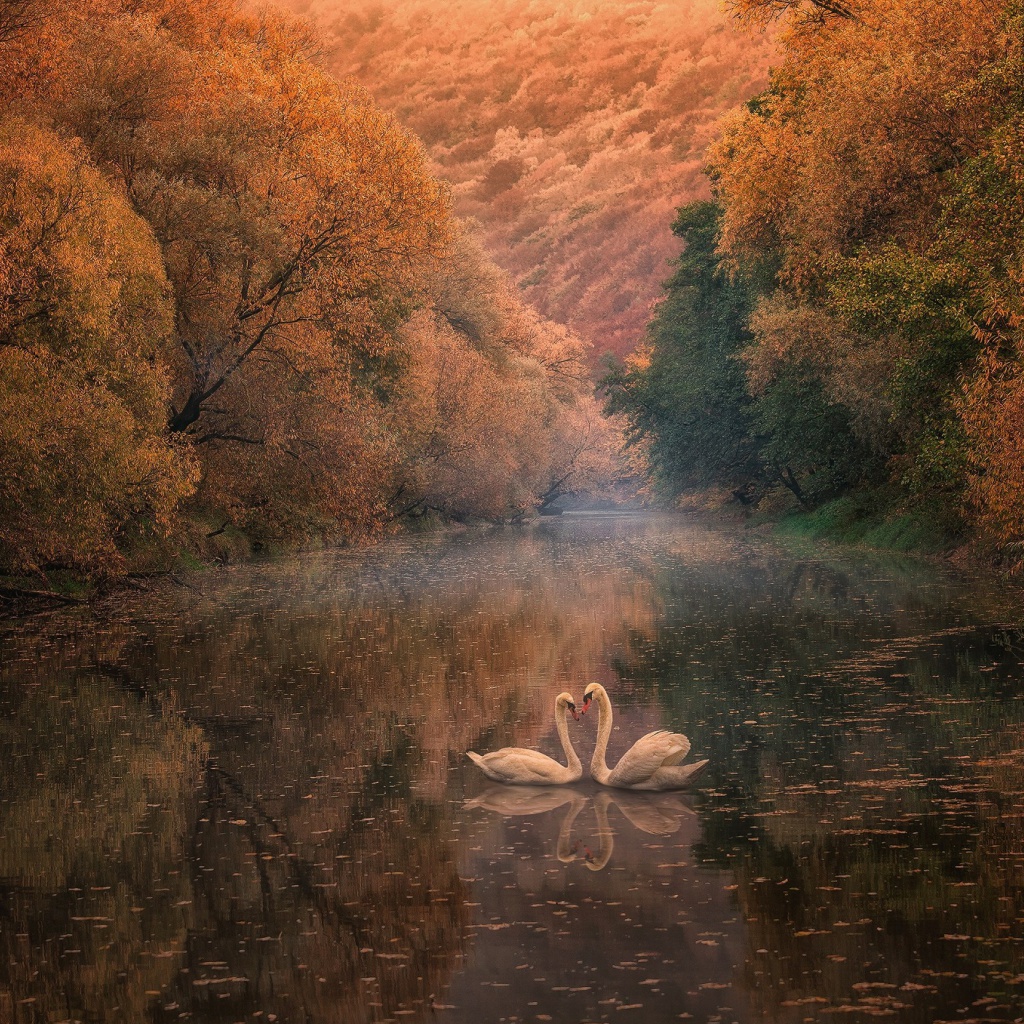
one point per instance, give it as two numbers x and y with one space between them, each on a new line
228 278
569 130
852 143
496 414
982 235
803 12
297 224
85 326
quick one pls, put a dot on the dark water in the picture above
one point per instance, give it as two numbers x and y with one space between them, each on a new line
248 801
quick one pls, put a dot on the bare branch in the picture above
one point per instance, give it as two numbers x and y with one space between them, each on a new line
808 11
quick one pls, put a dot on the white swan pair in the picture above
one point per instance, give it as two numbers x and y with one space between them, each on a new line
652 763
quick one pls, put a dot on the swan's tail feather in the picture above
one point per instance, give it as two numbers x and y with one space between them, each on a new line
475 757
679 776
697 768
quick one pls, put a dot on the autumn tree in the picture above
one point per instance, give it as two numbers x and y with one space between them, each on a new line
85 336
495 415
232 293
981 237
297 224
803 12
854 184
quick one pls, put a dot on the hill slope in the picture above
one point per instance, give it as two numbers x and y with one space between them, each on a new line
570 129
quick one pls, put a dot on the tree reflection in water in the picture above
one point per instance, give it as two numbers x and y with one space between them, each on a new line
250 797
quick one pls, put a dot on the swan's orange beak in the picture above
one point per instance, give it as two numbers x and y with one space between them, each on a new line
586 702
572 710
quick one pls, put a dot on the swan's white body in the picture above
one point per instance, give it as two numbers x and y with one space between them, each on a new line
518 766
652 763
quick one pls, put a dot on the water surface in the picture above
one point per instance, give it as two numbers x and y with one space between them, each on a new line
245 798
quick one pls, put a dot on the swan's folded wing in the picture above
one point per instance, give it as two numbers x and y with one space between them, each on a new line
517 764
684 749
646 756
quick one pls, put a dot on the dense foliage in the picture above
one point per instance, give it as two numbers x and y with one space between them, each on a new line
871 200
233 296
684 392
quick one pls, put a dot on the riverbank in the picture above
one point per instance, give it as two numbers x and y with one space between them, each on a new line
861 520
854 520
874 519
208 547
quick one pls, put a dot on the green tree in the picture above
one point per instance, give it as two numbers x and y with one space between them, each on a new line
807 440
686 399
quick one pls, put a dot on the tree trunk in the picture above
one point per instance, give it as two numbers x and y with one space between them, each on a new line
184 417
788 478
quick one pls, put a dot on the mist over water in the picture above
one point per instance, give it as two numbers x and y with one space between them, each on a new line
247 798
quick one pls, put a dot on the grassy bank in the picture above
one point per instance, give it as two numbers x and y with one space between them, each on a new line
873 520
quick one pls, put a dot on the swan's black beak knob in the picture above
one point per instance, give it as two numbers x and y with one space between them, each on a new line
573 711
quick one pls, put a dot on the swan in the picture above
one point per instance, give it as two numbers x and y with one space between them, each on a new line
652 763
520 767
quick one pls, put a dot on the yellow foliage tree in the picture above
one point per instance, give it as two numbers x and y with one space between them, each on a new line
298 225
85 319
228 277
869 184
855 136
993 412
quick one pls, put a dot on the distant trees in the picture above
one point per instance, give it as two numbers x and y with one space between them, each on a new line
231 292
495 414
570 129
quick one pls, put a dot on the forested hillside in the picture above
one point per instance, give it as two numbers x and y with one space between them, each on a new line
570 129
846 320
233 299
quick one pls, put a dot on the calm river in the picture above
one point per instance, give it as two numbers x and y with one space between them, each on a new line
246 799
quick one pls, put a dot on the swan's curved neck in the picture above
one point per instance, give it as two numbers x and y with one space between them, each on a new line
563 734
598 764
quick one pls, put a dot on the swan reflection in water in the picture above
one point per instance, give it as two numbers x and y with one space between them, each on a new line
656 814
